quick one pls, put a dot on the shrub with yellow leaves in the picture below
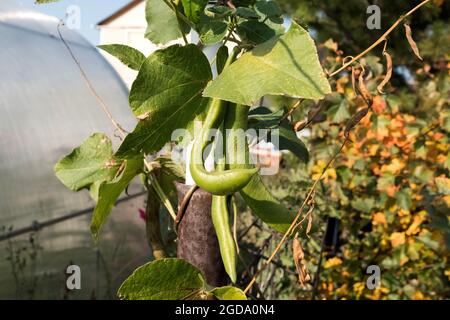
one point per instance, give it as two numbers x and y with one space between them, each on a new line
389 189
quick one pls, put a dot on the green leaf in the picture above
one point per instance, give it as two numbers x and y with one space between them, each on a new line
218 11
403 199
211 30
263 118
429 242
166 96
221 58
255 32
443 185
288 140
246 13
363 205
109 192
92 161
129 56
243 3
228 293
169 172
268 9
94 189
164 279
193 9
162 23
287 65
339 112
266 206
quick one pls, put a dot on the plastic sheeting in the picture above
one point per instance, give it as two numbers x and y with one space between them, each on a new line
46 110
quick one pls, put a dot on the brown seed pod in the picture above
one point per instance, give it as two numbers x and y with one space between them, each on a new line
363 89
389 67
411 41
354 75
309 226
300 125
355 120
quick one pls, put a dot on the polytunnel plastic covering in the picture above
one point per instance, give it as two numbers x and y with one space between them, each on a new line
45 111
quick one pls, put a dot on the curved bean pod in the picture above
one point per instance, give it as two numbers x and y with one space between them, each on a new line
224 182
255 193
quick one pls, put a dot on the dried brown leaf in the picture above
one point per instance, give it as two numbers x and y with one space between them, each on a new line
299 261
389 67
411 41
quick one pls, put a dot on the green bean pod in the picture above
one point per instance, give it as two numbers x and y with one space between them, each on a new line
221 222
222 182
256 195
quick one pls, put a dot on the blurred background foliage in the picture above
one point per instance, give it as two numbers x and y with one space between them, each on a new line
386 199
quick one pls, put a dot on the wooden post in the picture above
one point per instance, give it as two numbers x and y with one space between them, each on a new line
197 240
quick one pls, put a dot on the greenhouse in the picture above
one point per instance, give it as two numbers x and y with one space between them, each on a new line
46 110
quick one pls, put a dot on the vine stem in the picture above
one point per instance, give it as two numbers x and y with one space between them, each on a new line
297 217
183 206
89 85
292 109
177 13
381 39
169 3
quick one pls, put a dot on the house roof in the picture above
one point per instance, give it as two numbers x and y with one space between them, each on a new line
119 12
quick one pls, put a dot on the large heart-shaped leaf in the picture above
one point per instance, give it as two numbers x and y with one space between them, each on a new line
172 279
164 279
163 25
285 65
166 96
92 161
109 192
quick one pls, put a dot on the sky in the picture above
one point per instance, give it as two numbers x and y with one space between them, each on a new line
91 12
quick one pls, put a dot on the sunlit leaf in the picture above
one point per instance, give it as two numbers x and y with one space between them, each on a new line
166 96
164 279
287 65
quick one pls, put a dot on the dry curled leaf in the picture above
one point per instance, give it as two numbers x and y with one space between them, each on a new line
355 120
389 67
411 41
299 260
